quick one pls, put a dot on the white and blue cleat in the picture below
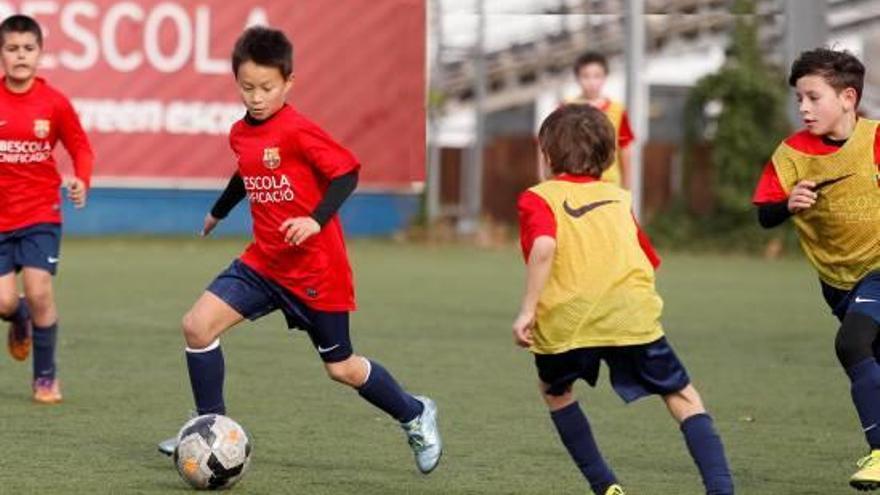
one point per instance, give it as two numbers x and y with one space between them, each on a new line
423 436
167 446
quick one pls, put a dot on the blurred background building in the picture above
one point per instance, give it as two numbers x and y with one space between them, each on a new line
527 48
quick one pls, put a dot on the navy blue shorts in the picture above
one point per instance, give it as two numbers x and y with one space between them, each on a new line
863 298
636 370
34 246
254 296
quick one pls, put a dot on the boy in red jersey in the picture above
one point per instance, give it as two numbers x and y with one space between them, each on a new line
825 178
295 177
33 117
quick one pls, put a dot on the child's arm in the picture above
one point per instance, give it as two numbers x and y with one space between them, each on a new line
624 139
297 230
333 162
624 160
774 204
229 198
538 271
802 196
77 145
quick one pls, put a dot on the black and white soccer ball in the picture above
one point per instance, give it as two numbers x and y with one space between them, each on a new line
213 452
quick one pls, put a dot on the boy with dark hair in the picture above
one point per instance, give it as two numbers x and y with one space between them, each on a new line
590 297
33 118
826 178
296 178
591 72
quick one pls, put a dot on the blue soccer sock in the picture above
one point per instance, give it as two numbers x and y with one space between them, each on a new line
706 449
865 389
382 391
574 430
206 372
44 351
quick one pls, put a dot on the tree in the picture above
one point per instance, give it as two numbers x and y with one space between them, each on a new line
740 112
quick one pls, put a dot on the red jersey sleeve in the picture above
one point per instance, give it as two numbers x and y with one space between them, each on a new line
877 148
625 134
769 189
647 247
326 155
75 141
535 219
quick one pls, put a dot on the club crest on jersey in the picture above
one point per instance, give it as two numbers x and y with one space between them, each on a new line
271 158
41 128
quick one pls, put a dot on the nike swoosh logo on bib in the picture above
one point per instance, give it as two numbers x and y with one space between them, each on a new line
826 183
583 210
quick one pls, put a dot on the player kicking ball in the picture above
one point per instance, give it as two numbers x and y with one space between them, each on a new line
296 177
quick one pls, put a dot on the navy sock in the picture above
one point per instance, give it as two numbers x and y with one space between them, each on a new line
865 389
705 447
206 372
574 430
44 351
382 391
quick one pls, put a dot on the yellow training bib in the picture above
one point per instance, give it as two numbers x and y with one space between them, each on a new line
840 234
601 288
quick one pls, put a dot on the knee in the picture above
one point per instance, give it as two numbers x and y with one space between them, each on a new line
350 372
40 299
195 333
684 403
855 339
556 402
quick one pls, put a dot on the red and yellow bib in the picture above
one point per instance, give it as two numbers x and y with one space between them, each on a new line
840 234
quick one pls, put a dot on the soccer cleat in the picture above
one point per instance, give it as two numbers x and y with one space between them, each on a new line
18 340
615 489
867 478
47 390
424 436
167 446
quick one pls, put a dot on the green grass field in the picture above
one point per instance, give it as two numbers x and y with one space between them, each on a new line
754 334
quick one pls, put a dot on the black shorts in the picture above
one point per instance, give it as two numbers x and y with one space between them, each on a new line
34 246
636 370
254 296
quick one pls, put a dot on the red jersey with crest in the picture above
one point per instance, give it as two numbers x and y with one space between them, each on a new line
286 163
31 123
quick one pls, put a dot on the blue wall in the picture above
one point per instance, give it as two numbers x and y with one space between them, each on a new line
181 211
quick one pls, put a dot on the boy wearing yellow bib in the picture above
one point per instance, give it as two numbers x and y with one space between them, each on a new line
590 297
825 177
591 72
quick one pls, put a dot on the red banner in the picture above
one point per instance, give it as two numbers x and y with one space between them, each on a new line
152 83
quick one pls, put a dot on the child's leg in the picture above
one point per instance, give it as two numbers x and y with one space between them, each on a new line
417 416
574 431
375 384
40 298
202 326
14 310
702 440
854 347
9 305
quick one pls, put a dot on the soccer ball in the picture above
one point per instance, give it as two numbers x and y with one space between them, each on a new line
213 452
